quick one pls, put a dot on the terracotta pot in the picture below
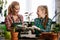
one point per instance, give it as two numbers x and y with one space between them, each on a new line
14 35
15 39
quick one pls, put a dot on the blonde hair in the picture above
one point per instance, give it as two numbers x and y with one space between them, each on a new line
12 6
46 17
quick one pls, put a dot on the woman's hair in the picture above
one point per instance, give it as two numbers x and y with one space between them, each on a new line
12 6
46 12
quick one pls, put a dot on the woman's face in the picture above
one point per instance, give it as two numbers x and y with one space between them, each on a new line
41 12
16 9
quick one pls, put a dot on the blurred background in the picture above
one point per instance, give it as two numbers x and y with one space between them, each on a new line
29 6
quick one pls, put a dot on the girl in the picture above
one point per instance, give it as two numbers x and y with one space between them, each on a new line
43 23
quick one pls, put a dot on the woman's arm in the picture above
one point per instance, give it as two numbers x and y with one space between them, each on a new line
7 23
48 26
21 19
36 23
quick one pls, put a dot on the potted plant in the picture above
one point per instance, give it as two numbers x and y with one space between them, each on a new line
56 29
28 17
14 33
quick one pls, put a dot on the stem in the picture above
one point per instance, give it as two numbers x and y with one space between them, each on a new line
29 19
14 29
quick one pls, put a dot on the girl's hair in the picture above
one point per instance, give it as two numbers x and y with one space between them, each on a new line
12 6
46 17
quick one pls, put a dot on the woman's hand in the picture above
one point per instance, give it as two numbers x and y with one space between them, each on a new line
36 27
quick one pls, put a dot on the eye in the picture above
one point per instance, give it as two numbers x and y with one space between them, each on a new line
16 8
37 10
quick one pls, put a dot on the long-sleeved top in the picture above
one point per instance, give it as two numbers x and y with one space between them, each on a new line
9 20
38 23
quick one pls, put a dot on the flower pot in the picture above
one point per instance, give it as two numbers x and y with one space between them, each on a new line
15 39
14 35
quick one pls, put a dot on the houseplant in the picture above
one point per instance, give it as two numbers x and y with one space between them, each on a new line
28 15
56 29
14 33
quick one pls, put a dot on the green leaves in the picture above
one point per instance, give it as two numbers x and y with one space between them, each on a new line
56 28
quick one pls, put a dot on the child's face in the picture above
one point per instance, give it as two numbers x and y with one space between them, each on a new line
17 8
41 12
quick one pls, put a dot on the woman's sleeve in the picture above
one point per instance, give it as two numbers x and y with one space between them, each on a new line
39 25
36 22
7 23
21 18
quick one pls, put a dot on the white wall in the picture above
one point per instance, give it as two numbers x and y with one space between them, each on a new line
35 3
31 6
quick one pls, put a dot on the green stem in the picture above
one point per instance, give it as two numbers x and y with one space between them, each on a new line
14 29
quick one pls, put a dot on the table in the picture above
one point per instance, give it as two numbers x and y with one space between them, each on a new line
48 36
59 35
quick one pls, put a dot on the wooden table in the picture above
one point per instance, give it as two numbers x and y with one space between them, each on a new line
48 36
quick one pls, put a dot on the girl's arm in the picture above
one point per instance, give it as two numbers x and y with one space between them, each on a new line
7 23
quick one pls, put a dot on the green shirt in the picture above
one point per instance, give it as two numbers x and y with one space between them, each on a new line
38 23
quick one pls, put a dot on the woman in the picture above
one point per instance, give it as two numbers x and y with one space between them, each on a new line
13 16
43 23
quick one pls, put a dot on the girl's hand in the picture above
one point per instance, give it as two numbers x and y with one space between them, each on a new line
36 27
